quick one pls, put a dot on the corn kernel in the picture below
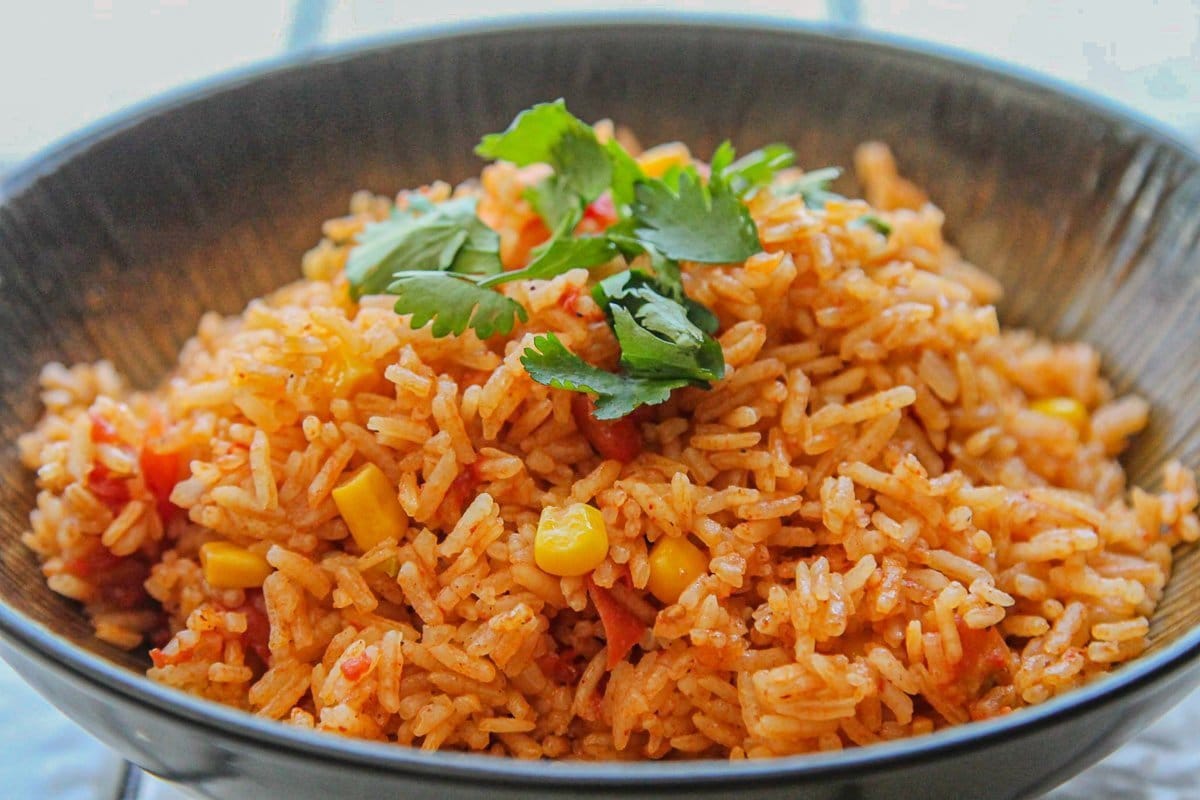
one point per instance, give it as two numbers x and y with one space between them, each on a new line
571 540
227 566
674 564
1068 409
370 506
351 376
657 160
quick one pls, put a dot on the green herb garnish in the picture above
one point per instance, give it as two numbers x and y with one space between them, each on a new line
701 223
446 236
875 223
815 187
442 262
550 363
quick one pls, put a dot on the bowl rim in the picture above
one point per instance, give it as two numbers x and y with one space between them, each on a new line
59 653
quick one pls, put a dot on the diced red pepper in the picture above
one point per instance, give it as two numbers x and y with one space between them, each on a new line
622 630
103 431
619 439
98 562
159 658
602 211
108 489
355 667
160 470
258 626
462 489
560 667
986 659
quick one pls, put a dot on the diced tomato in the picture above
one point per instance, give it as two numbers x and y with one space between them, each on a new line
462 489
98 562
514 253
355 667
602 211
258 627
161 472
108 489
986 659
103 431
618 438
123 585
159 658
622 630
560 667
126 596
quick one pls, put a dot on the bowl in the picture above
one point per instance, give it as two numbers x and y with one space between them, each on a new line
114 243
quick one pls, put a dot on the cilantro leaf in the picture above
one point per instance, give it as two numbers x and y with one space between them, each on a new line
625 173
815 187
454 304
550 363
698 223
660 336
875 223
448 236
757 168
555 202
549 134
561 256
688 355
721 159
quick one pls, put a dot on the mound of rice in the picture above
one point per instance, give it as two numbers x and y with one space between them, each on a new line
897 540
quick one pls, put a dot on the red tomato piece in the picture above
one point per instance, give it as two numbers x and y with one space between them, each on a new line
622 630
161 472
258 627
985 662
98 562
602 211
355 667
560 667
619 439
108 489
103 431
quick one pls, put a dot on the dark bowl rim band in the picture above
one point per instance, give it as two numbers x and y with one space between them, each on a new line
58 653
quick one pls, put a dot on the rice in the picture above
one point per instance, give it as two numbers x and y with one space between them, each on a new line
896 540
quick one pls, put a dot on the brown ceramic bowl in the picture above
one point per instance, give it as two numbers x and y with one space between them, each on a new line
114 243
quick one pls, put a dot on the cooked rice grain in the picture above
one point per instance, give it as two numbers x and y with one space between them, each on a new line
895 540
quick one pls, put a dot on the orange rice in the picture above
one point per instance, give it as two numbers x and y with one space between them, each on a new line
897 538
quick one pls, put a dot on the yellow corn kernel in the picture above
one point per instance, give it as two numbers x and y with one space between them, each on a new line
351 376
370 506
657 160
674 564
227 566
571 540
1068 409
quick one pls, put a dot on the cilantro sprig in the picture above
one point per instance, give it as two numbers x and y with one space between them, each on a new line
442 263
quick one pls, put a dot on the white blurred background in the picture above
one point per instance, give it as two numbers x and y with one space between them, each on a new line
67 63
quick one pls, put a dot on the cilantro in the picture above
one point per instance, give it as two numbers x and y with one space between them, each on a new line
442 262
815 187
562 255
875 223
550 363
662 342
757 168
446 236
549 134
453 303
695 223
625 173
555 202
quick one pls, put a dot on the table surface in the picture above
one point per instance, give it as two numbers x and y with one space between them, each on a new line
99 57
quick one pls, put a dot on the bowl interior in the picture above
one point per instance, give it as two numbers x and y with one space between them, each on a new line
114 248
